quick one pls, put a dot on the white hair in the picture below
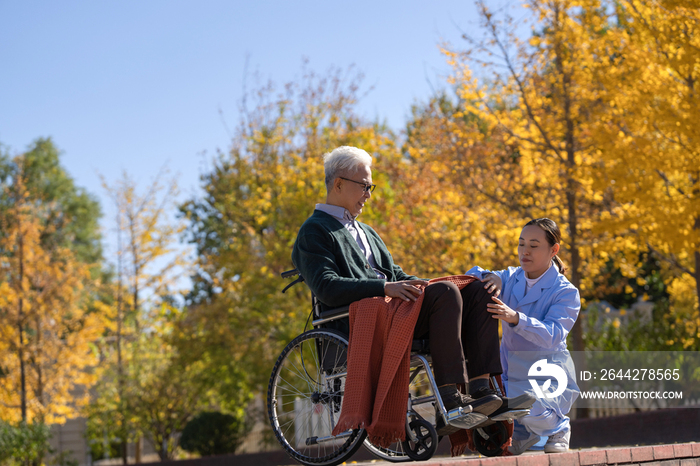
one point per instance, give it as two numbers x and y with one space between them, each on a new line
344 160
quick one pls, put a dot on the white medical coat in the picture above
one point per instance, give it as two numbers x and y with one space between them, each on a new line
547 313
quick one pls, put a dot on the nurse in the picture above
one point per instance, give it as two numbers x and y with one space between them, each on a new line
538 307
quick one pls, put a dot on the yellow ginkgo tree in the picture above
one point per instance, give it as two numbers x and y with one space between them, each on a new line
125 404
46 323
539 97
651 142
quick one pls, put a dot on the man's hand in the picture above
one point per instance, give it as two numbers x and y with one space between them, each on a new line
493 284
408 290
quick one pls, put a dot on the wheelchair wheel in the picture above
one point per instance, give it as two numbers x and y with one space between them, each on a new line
419 386
425 444
489 440
395 453
305 397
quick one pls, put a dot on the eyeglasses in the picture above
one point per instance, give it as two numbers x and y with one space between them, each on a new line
365 187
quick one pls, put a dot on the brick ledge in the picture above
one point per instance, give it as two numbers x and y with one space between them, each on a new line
683 454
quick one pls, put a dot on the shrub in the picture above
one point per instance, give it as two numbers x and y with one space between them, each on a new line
213 433
23 443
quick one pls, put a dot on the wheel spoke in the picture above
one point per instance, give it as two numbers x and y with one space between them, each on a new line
304 403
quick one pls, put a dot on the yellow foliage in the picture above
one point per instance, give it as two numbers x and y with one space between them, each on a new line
653 160
148 236
601 115
46 326
541 115
682 291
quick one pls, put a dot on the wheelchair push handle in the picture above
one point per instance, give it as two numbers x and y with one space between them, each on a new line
291 273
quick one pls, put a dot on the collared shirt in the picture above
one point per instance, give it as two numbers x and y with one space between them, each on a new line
348 221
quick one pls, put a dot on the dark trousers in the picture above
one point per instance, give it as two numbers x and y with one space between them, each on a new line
459 329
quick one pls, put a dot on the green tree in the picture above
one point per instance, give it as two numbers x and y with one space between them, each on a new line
72 214
168 386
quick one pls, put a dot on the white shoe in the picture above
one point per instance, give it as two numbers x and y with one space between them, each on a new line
559 442
521 446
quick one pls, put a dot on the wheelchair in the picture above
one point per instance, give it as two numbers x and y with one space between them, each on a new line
305 399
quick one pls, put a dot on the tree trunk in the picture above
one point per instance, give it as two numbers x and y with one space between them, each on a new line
696 227
572 202
570 164
37 365
23 380
697 276
577 330
120 363
137 453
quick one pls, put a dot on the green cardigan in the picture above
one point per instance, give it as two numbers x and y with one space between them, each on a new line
334 266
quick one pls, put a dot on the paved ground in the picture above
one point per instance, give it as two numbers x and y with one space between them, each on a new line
684 454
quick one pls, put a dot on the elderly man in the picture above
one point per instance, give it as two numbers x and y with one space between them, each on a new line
343 260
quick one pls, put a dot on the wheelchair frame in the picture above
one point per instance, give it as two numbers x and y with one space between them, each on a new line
421 435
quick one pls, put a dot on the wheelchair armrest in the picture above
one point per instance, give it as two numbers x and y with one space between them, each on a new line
331 315
420 346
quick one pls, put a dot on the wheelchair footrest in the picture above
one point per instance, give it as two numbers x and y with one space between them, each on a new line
510 415
465 418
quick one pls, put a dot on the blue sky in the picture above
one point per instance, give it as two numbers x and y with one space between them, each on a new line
134 85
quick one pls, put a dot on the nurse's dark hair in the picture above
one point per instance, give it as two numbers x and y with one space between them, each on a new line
553 235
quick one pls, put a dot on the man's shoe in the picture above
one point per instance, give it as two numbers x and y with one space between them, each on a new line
559 442
453 399
518 447
524 401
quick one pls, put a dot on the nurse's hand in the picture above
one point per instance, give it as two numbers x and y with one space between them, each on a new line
500 310
493 284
